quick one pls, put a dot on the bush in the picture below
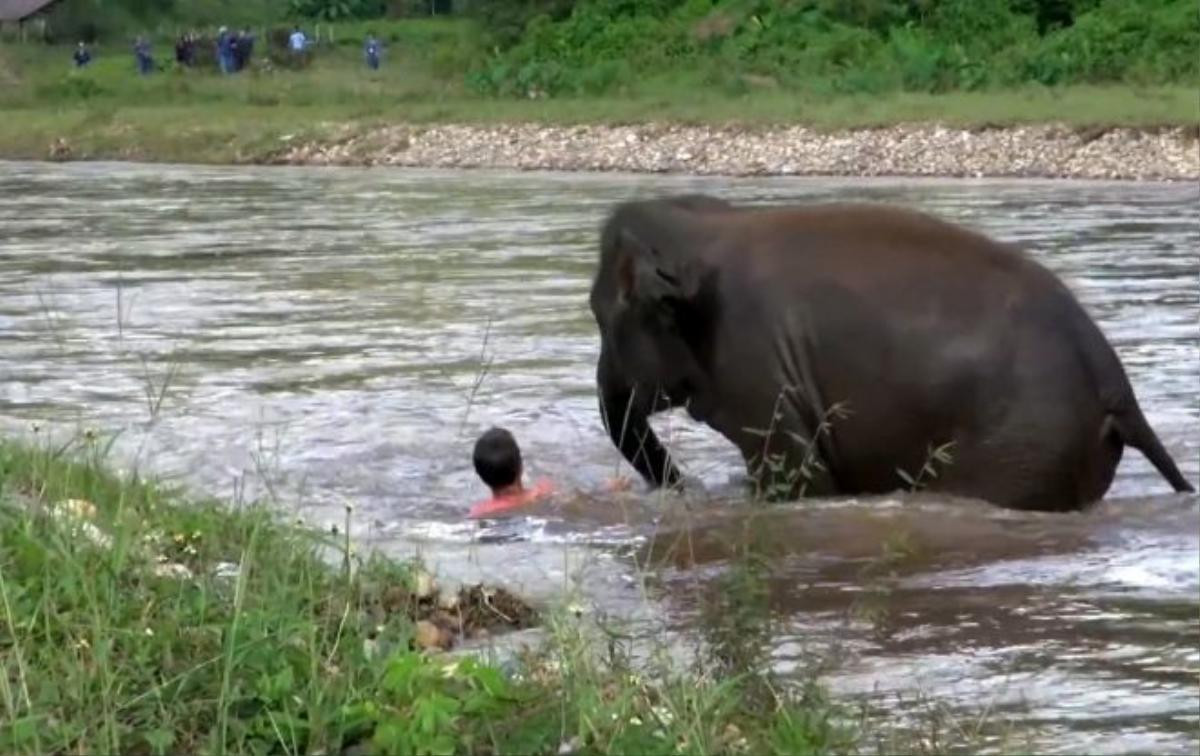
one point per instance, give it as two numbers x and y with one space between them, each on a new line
74 86
1155 40
593 46
338 10
505 20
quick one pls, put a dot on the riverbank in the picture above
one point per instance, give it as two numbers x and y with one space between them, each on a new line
933 150
417 112
135 620
919 150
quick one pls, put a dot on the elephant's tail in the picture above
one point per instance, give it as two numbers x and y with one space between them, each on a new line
1131 425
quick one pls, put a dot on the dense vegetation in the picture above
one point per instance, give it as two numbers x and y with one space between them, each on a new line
592 47
842 45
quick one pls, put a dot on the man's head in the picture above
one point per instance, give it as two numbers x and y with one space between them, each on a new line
498 459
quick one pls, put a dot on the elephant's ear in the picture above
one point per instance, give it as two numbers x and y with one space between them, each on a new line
652 274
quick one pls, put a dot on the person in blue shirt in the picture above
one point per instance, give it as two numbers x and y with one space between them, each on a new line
82 56
371 50
141 51
225 50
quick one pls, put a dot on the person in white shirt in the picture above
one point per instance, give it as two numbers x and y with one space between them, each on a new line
297 42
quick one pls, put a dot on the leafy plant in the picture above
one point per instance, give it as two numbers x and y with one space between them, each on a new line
338 10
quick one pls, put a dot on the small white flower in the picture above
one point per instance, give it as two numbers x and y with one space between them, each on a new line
149 633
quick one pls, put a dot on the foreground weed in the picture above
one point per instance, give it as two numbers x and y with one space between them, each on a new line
134 620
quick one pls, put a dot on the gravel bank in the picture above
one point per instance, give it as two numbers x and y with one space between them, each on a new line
1029 152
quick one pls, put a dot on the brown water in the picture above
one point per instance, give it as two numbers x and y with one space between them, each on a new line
335 335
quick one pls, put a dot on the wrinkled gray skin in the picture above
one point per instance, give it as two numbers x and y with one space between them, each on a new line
901 331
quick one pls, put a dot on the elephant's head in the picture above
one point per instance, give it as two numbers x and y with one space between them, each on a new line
654 302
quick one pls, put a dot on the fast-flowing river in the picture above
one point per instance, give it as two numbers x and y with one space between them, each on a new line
330 335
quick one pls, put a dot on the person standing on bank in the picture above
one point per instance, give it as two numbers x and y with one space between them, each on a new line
82 56
297 42
225 50
141 51
371 50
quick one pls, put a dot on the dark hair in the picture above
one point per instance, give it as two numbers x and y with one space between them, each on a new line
497 458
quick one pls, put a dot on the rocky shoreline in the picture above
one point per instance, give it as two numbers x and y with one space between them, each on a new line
1050 151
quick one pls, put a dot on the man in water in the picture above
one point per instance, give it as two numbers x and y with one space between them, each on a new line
498 464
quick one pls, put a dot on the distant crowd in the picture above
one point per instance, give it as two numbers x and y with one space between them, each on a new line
234 50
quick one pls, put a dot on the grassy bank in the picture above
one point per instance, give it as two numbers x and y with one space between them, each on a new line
107 112
136 620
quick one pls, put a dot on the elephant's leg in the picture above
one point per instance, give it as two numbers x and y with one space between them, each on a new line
626 412
1064 461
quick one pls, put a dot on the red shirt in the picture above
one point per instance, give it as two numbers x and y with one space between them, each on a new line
498 505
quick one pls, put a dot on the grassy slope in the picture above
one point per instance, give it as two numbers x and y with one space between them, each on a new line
108 112
287 652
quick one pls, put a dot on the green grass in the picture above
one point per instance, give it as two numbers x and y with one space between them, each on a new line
258 642
108 112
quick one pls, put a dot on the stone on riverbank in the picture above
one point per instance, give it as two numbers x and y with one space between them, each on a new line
1051 151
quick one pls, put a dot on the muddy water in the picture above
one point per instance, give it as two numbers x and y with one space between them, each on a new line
324 335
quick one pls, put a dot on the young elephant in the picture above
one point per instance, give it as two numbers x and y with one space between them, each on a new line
837 345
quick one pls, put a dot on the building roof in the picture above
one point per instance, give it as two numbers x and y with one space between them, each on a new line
19 10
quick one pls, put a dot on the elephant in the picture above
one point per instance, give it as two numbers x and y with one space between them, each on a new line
856 349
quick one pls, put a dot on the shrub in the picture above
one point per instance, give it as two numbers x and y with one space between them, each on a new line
838 45
1150 39
338 10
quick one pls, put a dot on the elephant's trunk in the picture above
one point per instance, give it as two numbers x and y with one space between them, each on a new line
625 411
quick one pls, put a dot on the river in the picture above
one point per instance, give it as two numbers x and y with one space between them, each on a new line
324 336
